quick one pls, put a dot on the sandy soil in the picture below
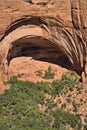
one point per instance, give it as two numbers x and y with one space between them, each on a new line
28 66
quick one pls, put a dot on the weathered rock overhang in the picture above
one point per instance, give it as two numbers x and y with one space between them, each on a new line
32 38
33 33
40 49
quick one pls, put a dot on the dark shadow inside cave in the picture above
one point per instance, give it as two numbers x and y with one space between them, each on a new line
39 49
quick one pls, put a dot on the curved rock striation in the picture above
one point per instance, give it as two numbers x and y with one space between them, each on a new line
57 27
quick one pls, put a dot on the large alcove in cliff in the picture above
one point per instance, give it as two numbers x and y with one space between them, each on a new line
31 45
30 54
39 49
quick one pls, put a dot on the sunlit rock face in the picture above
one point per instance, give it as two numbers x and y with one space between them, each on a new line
55 32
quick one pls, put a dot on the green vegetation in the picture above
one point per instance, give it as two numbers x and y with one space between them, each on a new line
63 105
49 73
39 73
46 74
19 106
65 118
74 106
68 100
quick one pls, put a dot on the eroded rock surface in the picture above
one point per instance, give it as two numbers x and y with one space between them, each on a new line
57 24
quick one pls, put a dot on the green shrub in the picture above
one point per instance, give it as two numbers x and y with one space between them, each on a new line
63 105
49 73
39 73
46 74
74 106
68 100
79 87
69 95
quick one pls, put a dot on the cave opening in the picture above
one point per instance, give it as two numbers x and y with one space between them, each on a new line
37 49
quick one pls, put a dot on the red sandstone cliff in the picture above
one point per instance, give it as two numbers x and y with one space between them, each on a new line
60 22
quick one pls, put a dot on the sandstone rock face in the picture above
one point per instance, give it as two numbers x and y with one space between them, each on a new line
56 29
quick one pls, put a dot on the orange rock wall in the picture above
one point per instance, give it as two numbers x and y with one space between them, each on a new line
65 23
